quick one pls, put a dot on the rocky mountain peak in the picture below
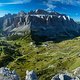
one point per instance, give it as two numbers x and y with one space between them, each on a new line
38 11
9 15
21 13
44 12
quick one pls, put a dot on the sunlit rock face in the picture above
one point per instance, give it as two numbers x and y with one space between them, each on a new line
31 75
6 74
41 24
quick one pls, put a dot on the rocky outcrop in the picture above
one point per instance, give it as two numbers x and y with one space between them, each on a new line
64 76
76 72
6 74
75 75
31 75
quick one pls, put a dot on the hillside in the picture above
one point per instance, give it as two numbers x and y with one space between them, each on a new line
46 59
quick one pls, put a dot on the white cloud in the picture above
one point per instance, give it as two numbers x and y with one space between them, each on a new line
70 2
15 2
51 5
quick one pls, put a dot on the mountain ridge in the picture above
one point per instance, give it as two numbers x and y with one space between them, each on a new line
45 25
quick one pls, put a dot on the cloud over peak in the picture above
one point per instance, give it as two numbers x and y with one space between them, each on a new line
52 4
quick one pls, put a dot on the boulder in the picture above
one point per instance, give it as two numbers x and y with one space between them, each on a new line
6 74
65 76
77 71
31 75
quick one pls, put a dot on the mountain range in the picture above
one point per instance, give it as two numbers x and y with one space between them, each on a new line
41 24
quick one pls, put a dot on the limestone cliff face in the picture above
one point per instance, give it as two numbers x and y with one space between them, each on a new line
43 24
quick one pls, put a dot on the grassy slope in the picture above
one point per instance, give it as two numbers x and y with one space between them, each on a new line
46 60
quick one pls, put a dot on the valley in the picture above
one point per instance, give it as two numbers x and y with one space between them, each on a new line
45 42
46 59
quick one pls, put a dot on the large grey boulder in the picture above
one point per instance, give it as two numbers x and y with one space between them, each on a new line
62 77
31 75
65 76
6 74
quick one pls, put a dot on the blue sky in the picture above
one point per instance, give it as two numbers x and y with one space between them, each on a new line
69 7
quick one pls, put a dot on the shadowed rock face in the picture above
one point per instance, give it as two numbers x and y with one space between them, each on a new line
42 25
